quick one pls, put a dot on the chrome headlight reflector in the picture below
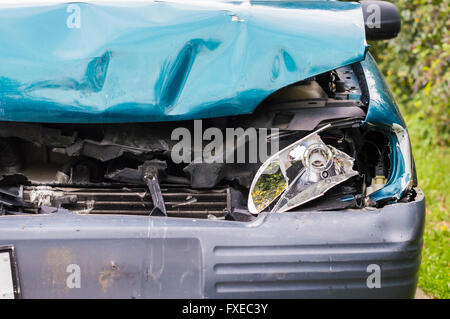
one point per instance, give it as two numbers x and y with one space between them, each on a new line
299 173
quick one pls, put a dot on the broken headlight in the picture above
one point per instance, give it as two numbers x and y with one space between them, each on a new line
299 173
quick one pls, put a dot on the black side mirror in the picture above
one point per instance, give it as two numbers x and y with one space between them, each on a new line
381 20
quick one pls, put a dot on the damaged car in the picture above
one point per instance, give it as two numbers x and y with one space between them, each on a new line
203 149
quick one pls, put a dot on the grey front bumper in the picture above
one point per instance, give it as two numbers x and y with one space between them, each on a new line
289 255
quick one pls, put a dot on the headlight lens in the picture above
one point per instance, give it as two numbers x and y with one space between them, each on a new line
301 172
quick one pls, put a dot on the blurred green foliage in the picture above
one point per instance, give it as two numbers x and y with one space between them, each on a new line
416 66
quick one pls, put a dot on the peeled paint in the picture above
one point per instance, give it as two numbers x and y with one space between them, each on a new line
116 62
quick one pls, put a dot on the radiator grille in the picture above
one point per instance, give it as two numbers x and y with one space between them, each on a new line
180 202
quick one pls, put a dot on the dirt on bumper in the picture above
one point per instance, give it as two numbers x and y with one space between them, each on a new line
289 255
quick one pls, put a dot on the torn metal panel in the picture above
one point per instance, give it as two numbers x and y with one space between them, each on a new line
139 175
136 140
401 177
384 114
130 62
36 133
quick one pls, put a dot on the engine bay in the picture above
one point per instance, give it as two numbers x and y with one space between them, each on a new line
130 168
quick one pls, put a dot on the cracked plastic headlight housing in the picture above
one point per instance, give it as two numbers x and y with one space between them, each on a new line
299 173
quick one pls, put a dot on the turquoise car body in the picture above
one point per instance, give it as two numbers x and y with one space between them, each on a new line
165 61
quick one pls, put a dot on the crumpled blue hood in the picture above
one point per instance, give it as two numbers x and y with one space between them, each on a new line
165 60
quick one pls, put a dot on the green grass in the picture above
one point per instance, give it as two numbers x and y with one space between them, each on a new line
433 165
